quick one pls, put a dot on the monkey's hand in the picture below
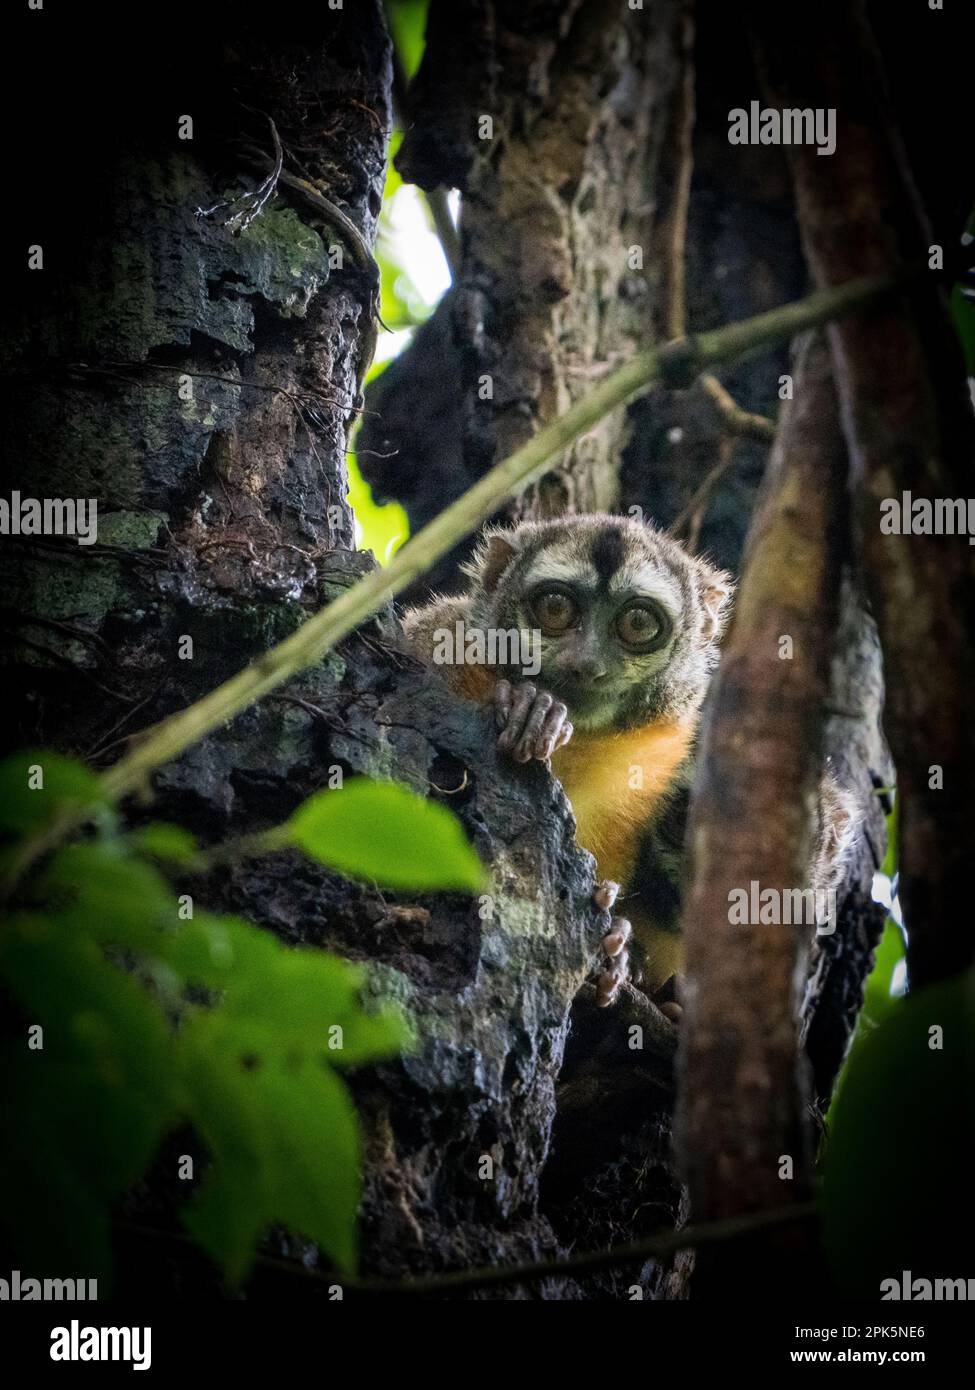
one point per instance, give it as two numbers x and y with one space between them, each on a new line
615 966
532 723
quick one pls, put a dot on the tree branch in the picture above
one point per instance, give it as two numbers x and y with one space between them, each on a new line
465 1280
741 1082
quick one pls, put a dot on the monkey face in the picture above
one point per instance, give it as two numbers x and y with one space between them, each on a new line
625 621
597 642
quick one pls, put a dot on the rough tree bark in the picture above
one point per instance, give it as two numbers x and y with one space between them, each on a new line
753 820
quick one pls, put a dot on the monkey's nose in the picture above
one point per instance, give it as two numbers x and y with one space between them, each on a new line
587 675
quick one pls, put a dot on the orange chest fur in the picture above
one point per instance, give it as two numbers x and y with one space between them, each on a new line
615 783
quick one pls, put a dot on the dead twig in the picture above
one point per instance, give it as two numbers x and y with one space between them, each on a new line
691 517
254 201
104 746
327 211
582 1262
738 421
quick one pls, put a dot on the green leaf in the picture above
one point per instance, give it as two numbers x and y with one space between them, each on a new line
902 1128
97 889
340 1040
297 988
229 1214
318 1157
381 832
878 1000
407 22
83 1001
371 1037
168 842
83 1114
285 1148
37 783
380 527
218 952
223 953
304 990
284 1000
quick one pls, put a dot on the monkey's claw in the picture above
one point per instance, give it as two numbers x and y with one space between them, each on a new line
532 723
615 968
605 894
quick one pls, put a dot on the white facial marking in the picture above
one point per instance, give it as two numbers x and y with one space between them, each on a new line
647 579
549 568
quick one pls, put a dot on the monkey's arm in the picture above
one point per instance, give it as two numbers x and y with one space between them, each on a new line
420 628
838 824
531 723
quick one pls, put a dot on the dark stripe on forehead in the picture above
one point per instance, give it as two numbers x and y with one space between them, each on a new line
608 553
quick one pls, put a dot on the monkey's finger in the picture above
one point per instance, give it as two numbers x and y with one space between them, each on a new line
550 731
609 981
522 700
605 894
531 736
564 736
672 1010
616 938
502 702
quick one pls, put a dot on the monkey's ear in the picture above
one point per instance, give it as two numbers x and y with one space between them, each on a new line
716 590
492 557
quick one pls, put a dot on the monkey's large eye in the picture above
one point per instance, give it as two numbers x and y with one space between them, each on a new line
554 610
642 626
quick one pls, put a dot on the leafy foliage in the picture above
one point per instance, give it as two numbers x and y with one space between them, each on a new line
879 994
380 527
407 22
901 1126
54 782
135 1023
901 1152
362 832
383 526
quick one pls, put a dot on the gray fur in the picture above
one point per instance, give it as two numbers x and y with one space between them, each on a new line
632 688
